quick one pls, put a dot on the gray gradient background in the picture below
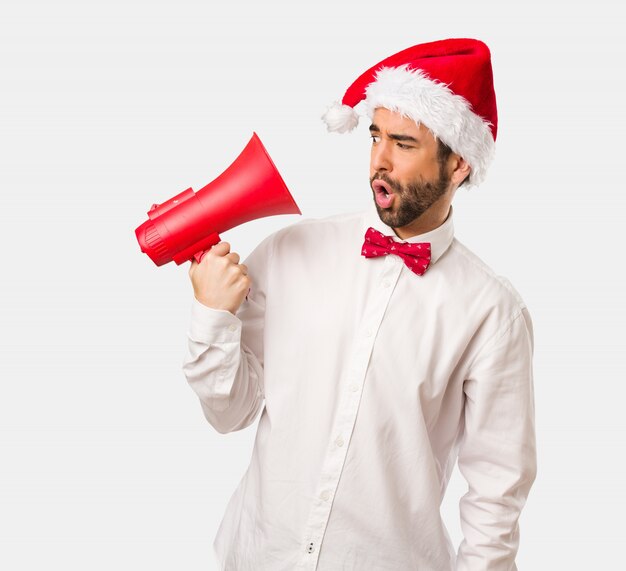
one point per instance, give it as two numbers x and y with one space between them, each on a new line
106 460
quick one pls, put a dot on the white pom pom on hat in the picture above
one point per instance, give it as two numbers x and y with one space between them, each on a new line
446 85
340 118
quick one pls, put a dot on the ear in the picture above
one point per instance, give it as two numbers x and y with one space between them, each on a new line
461 169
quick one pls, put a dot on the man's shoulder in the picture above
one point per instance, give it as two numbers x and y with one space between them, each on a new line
324 227
481 277
338 219
308 237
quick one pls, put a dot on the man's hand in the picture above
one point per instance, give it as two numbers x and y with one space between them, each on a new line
219 280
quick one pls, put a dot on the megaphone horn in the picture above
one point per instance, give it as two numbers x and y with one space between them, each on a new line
189 223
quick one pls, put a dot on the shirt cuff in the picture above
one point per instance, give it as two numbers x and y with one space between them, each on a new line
209 325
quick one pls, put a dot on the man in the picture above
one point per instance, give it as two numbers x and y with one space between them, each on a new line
378 348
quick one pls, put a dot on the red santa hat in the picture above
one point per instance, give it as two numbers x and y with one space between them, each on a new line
445 85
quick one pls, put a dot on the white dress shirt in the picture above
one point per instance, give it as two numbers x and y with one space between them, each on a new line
370 380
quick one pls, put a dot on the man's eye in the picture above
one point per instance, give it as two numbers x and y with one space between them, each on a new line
375 138
403 146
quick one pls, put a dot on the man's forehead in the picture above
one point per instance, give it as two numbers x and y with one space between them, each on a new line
385 120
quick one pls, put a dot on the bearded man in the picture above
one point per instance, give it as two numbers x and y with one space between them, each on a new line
378 350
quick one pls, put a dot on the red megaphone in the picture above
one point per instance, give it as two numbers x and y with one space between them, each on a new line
190 223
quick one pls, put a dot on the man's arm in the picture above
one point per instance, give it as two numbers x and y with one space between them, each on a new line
224 359
497 455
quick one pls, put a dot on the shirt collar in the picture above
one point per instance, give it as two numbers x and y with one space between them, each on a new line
440 238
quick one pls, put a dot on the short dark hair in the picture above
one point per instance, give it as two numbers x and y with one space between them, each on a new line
443 152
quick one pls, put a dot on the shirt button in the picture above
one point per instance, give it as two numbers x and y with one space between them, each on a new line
325 495
232 327
310 548
369 333
386 283
339 441
354 388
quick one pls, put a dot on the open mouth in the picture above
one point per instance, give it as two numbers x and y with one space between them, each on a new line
384 194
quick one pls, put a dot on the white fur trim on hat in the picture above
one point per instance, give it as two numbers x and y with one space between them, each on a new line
447 115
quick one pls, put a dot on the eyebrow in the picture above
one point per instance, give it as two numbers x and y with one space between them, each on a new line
393 136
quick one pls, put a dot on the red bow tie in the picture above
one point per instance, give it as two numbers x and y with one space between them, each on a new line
416 255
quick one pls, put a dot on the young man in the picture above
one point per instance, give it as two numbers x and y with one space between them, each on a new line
379 350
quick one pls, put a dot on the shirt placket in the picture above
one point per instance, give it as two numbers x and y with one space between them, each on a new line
347 410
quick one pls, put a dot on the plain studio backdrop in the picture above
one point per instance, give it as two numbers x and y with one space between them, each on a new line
109 107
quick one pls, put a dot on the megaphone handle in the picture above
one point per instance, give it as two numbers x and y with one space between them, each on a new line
196 251
199 255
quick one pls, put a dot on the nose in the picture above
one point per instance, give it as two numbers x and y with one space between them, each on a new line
380 159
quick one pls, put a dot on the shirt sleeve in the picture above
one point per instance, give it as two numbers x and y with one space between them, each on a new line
497 454
223 363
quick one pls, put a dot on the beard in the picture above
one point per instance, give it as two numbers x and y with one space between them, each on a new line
411 200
